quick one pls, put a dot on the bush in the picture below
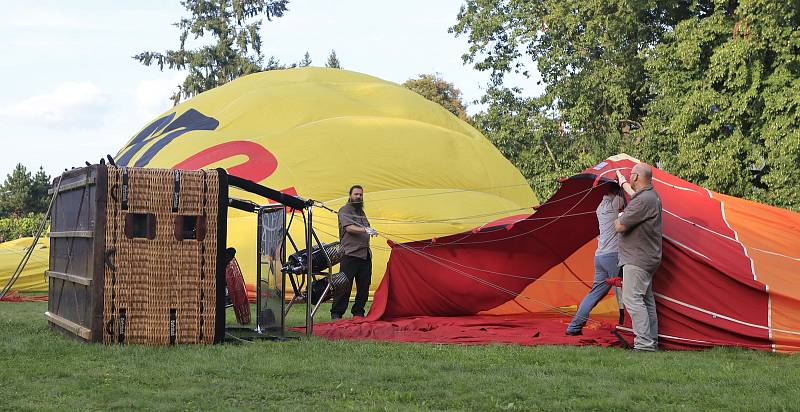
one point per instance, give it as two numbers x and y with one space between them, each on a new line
16 227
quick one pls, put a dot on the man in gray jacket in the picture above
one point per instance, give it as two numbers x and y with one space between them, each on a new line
640 254
354 234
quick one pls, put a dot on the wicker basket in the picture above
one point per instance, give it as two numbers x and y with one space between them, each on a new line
159 276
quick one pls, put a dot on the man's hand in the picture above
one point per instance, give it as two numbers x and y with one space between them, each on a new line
615 281
621 179
370 231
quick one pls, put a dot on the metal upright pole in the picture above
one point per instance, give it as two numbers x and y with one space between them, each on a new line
310 277
282 257
259 230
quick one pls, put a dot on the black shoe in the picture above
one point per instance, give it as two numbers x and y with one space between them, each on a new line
335 316
570 333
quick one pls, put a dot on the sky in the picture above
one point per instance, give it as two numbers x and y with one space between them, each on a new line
71 91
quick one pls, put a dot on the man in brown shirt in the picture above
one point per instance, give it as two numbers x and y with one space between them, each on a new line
354 234
640 254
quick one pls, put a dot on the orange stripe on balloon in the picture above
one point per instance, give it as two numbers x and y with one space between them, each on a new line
765 228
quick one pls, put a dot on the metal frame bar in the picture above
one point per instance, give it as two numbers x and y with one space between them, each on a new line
261 211
297 281
330 272
309 272
259 228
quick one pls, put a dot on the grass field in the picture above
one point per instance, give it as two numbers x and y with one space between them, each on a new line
40 370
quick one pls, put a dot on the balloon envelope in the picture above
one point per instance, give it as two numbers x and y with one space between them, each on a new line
316 132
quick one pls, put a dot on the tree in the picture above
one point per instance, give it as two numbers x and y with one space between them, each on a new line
727 114
22 194
704 88
15 192
306 61
587 53
39 199
530 140
234 49
333 61
437 90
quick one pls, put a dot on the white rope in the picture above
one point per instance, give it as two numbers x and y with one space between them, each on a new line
585 192
505 274
557 218
485 282
446 191
464 218
721 316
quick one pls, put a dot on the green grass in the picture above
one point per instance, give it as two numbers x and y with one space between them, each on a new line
40 370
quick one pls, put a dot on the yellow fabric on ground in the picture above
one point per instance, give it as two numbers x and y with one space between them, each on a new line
32 278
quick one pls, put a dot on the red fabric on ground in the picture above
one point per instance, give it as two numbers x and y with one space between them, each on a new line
470 330
13 296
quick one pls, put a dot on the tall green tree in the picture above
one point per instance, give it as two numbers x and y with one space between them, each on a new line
228 31
438 90
704 88
22 194
727 109
39 200
333 61
587 52
15 192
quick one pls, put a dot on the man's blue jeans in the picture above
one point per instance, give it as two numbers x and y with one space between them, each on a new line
605 266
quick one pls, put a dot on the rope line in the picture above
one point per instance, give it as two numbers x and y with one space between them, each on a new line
465 218
29 251
534 218
529 277
502 289
523 233
450 191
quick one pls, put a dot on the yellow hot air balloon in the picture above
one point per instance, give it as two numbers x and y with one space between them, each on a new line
316 132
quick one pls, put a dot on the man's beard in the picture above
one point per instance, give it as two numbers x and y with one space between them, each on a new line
358 205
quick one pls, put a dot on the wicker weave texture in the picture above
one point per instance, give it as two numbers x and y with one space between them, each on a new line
160 283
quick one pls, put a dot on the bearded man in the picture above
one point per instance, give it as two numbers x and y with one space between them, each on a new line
354 234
